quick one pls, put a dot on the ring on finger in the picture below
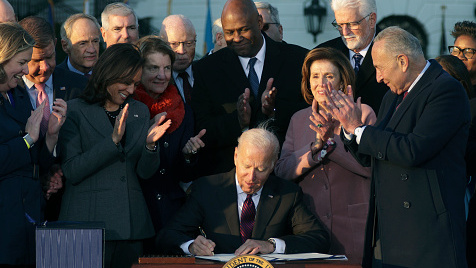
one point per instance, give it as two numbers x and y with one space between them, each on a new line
319 125
193 152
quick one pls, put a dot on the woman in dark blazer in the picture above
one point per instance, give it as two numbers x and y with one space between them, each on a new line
106 146
163 192
23 154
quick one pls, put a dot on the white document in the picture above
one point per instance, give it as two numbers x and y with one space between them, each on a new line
278 257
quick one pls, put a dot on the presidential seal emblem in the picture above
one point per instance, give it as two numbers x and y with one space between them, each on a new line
248 261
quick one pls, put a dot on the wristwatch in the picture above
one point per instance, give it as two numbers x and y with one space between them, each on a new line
28 140
273 242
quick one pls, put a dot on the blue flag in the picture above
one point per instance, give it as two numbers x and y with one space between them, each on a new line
208 45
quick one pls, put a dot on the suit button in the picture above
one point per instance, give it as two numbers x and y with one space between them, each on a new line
20 133
406 204
123 178
162 171
404 177
379 155
159 196
166 144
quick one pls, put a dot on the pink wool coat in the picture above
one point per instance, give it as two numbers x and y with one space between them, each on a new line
336 190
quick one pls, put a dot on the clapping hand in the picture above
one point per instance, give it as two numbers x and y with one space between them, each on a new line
268 99
33 123
322 123
120 125
58 116
244 109
342 107
157 130
194 144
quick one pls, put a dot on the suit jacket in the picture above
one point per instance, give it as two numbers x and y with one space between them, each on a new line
220 80
280 214
339 197
418 174
63 64
102 178
366 85
20 189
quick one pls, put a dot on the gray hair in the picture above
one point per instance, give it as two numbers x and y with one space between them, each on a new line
216 28
399 41
117 9
263 139
272 10
365 7
186 21
67 27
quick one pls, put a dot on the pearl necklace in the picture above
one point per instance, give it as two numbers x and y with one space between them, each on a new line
110 113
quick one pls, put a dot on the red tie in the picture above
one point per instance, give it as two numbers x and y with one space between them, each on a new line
187 88
248 213
43 97
404 95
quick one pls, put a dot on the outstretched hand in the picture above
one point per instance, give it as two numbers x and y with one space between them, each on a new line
342 107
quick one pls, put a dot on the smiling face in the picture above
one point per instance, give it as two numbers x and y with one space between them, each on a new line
253 166
358 39
83 50
15 68
156 74
119 92
242 29
321 72
42 64
121 29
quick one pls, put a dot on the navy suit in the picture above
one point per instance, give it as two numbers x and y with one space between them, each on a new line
20 189
220 80
213 206
366 85
418 174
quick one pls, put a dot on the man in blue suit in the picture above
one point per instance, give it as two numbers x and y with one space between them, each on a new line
416 149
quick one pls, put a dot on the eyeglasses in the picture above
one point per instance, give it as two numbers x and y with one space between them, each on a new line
188 44
266 25
350 25
468 53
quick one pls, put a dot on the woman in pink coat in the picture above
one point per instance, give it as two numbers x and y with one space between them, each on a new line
335 185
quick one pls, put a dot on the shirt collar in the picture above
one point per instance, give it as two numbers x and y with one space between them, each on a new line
72 69
188 71
419 76
30 85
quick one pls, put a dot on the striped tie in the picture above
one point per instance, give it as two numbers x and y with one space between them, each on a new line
248 213
253 77
357 58
42 96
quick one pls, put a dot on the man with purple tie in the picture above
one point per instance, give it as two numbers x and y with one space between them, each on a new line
250 211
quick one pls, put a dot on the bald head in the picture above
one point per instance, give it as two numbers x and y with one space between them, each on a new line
242 27
179 32
6 12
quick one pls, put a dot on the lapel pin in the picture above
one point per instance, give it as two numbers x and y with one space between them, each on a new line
62 88
270 196
136 115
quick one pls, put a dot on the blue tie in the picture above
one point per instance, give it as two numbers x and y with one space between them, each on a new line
253 77
357 58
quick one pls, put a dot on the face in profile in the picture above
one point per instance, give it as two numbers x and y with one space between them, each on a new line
242 31
121 29
42 64
270 27
253 166
156 73
387 70
83 49
15 68
320 73
463 42
120 91
360 37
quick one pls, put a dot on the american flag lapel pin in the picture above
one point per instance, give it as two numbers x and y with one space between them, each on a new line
62 88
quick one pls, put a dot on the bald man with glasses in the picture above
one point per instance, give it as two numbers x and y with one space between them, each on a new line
356 21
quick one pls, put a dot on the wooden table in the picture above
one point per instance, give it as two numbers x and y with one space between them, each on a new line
294 264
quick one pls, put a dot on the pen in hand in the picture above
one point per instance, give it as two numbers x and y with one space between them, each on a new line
202 233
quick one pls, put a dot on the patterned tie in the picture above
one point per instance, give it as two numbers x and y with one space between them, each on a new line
248 213
253 77
404 95
357 58
187 88
43 97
